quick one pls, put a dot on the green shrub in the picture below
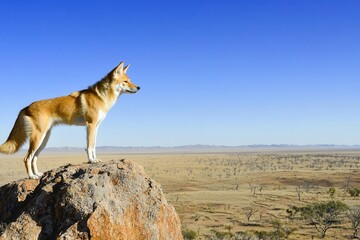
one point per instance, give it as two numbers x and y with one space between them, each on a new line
189 234
331 192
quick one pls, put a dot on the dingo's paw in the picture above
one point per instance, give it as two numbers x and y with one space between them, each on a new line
33 176
95 160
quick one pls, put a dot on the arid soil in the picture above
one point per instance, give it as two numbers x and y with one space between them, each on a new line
212 191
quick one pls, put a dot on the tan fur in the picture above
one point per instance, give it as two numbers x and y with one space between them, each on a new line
17 136
84 108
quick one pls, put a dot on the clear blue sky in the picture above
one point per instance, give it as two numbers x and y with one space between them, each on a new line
211 72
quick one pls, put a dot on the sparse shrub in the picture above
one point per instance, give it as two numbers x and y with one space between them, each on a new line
292 211
189 234
263 235
331 192
281 231
354 192
248 235
218 235
229 228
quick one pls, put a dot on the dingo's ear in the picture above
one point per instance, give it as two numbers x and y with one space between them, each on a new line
119 70
126 68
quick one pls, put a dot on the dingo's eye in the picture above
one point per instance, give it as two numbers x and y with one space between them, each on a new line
125 81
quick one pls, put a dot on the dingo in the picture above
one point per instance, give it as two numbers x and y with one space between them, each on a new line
87 107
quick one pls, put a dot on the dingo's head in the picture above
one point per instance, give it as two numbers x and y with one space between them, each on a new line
121 81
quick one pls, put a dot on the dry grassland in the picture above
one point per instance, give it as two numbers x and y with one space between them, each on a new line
211 190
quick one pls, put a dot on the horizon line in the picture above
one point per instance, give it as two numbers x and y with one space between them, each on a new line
217 146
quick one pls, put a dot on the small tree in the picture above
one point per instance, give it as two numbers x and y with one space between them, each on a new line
249 211
252 188
298 191
307 186
354 215
261 187
323 215
346 184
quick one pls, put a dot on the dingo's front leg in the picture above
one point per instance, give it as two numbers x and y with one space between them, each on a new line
37 153
91 142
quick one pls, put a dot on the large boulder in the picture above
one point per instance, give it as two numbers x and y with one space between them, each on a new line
112 200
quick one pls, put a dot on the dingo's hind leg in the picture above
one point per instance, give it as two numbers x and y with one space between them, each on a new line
36 139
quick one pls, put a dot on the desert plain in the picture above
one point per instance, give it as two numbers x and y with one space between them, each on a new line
213 190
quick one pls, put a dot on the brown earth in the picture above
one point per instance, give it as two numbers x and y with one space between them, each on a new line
210 190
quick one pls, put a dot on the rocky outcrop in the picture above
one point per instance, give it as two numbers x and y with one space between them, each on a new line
113 200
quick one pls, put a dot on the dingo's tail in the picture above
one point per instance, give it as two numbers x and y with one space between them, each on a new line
17 136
